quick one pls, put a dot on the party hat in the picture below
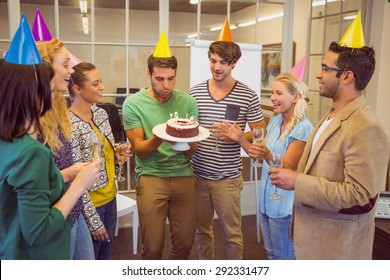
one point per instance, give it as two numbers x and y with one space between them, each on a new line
162 49
299 69
354 37
23 49
39 29
225 34
74 60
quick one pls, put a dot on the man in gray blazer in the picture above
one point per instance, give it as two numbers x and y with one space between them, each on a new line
343 167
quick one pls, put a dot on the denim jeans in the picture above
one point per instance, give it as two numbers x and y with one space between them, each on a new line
277 242
81 247
108 217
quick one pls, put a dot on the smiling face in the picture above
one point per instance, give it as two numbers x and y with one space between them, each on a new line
282 100
62 70
92 89
328 81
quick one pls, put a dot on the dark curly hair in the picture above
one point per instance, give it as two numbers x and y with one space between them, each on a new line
361 61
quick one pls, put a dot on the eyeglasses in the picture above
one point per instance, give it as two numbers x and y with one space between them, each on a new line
326 68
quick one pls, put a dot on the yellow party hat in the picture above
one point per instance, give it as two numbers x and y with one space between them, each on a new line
162 49
225 34
354 37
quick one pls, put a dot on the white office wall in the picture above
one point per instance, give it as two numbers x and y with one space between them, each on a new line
378 91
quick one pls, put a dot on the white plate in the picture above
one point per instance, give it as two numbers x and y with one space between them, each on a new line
181 143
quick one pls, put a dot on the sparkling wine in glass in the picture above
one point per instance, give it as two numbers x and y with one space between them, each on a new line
257 136
96 150
120 153
276 160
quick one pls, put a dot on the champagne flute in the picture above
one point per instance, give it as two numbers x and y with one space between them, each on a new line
120 152
257 136
96 150
96 146
276 160
214 121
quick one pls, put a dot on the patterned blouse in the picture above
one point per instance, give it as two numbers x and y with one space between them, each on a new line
81 138
64 160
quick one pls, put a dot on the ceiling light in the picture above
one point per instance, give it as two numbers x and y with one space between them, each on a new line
322 2
270 17
349 17
83 6
260 19
216 28
247 23
84 19
193 35
194 2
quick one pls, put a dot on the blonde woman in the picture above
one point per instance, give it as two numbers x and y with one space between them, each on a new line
287 133
55 132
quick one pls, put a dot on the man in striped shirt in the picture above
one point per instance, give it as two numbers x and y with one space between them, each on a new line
217 161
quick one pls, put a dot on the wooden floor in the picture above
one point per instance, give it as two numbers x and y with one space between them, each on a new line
122 244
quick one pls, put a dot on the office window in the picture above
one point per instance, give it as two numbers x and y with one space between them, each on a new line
4 29
329 21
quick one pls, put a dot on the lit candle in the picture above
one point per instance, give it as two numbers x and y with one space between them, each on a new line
171 115
176 115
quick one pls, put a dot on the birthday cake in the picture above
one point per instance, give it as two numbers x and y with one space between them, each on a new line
182 128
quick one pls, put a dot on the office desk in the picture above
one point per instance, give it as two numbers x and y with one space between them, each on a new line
381 240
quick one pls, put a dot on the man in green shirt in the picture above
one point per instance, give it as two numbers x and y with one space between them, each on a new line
166 183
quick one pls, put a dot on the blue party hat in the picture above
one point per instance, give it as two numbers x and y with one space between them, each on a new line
23 49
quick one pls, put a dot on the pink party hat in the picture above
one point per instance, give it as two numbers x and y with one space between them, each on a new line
225 34
299 69
354 36
74 60
39 29
23 49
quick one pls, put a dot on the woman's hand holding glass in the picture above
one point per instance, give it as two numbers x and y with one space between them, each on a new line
258 151
70 172
89 174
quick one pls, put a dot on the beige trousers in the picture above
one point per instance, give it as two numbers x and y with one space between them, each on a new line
223 196
161 198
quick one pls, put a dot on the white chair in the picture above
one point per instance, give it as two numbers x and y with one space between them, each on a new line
127 205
